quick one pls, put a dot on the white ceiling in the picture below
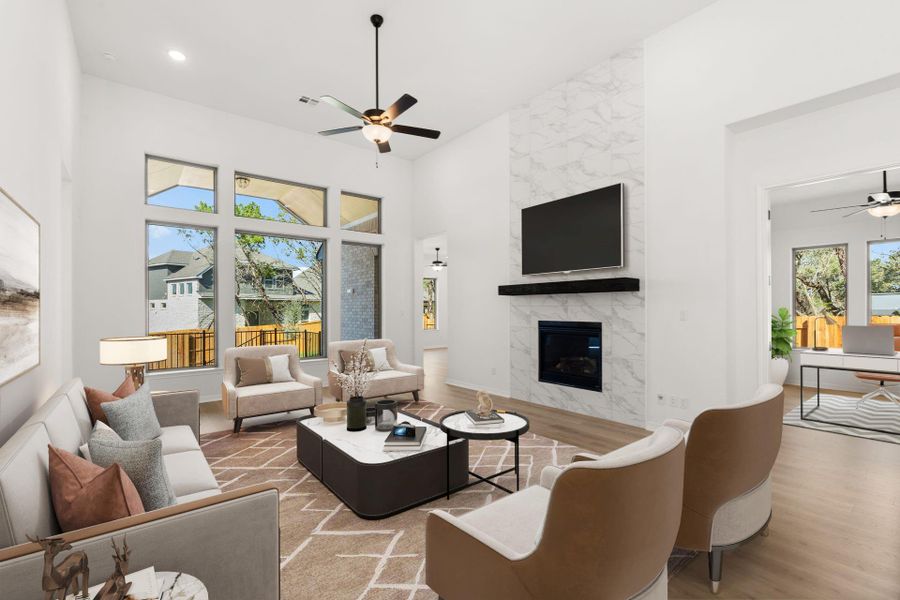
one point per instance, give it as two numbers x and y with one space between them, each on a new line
839 191
466 61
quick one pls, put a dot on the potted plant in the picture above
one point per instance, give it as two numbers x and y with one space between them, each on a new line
354 380
783 332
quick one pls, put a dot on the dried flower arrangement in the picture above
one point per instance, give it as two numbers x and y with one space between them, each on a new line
355 377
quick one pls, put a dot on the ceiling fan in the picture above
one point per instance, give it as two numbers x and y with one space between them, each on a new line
378 124
437 264
880 204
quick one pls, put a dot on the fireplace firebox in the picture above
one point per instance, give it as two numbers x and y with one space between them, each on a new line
569 354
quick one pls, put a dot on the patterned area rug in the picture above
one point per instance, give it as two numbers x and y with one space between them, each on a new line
327 552
876 413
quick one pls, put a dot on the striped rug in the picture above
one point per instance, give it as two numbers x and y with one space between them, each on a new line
876 414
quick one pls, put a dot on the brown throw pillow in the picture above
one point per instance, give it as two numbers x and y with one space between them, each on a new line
85 494
347 356
253 371
97 397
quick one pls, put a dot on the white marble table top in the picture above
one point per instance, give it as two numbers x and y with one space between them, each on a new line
180 586
368 446
460 423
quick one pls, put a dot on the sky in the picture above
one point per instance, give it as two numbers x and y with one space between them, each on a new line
162 238
19 245
883 249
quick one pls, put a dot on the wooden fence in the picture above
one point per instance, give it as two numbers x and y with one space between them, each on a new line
189 348
829 335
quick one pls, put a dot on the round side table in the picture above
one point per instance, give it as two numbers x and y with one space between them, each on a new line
458 426
180 586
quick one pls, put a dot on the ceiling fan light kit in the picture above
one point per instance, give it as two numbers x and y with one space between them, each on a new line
437 264
378 125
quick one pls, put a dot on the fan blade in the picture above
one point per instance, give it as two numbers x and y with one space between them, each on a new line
340 105
340 130
399 107
856 212
845 207
384 147
419 131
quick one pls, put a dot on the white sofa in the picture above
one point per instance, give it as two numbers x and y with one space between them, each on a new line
200 535
399 379
267 398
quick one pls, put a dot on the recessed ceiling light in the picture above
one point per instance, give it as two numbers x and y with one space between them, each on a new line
177 55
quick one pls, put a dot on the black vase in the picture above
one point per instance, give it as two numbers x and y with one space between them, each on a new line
356 414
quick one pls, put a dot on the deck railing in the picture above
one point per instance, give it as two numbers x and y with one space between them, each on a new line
195 348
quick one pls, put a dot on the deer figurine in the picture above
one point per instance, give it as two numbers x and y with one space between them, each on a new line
58 579
116 587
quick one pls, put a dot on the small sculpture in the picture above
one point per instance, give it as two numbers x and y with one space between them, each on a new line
484 404
58 579
116 587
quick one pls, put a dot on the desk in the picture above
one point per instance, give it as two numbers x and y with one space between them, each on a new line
837 360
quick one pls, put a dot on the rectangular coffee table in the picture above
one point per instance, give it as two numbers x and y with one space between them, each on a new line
373 483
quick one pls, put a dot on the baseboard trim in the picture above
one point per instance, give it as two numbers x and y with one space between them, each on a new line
477 388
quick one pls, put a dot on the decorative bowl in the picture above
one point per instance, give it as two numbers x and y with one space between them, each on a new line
333 412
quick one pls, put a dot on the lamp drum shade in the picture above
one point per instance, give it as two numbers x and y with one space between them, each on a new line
132 350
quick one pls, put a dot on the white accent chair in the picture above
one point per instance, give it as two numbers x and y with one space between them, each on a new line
267 398
399 379
601 527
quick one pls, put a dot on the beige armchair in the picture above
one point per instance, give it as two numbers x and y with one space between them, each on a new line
267 398
399 379
602 527
727 475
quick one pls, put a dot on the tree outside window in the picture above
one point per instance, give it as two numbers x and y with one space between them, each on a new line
429 303
884 282
820 291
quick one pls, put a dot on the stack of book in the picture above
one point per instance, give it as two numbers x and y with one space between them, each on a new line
404 437
492 418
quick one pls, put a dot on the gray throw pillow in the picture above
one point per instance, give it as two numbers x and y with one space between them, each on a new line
142 461
133 417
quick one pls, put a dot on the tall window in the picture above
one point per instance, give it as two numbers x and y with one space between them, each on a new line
429 303
275 200
279 287
884 281
360 213
177 255
179 184
820 295
360 291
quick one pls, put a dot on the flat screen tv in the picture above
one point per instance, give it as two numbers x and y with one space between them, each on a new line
575 233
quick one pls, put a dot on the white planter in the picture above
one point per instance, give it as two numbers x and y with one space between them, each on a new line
778 370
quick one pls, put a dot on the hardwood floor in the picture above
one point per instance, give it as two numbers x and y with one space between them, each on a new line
835 529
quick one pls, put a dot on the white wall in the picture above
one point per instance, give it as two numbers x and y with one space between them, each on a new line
38 120
120 124
462 188
728 63
794 226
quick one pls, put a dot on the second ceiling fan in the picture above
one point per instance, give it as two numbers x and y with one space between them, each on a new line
378 124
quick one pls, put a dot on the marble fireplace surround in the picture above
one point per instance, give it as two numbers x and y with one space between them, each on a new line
584 133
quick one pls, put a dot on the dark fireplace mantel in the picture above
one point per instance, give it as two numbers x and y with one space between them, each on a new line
572 286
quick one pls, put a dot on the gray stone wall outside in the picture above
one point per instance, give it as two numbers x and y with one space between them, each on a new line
360 293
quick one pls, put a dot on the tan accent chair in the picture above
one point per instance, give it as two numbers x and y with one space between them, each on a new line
399 379
602 527
727 475
267 398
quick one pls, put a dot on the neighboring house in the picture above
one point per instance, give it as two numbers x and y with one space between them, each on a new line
181 291
885 304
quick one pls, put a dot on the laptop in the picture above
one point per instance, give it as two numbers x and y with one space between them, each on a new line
868 339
